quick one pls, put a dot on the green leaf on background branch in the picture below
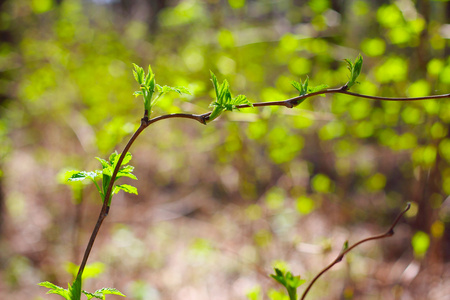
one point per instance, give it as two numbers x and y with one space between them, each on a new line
355 70
149 87
289 281
224 100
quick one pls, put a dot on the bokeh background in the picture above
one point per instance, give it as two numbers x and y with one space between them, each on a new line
220 205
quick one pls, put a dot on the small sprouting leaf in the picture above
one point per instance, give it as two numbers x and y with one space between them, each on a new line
224 100
138 74
178 89
289 281
125 160
54 289
355 70
215 84
345 246
301 87
104 163
317 89
126 173
113 158
100 294
126 188
298 86
241 100
81 175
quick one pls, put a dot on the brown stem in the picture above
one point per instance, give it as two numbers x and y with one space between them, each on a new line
105 207
203 118
388 233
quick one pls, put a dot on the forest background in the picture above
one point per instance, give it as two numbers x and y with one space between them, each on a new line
220 205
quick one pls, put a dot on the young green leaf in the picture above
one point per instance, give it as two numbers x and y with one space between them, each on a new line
138 73
224 100
108 167
317 89
81 175
345 246
148 87
100 294
126 188
126 172
178 89
289 281
54 289
301 87
355 70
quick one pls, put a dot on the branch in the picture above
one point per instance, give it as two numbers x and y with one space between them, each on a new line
203 119
292 102
388 233
105 208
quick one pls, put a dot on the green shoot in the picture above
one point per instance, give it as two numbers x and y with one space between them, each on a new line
106 173
148 86
73 292
224 100
303 88
289 281
355 70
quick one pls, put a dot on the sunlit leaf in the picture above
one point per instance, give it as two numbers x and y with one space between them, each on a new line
54 289
289 281
100 294
126 188
355 70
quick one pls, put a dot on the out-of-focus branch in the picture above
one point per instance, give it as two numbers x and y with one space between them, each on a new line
388 233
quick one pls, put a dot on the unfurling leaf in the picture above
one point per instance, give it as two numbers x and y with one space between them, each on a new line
289 281
355 70
138 73
108 167
224 100
54 289
100 294
126 188
81 175
301 87
148 87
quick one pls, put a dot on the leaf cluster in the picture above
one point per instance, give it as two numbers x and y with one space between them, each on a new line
224 100
289 281
149 87
108 167
355 70
73 292
303 88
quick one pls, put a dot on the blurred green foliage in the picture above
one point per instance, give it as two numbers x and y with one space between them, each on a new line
66 95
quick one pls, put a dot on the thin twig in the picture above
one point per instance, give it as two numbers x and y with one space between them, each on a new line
388 233
203 118
105 207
